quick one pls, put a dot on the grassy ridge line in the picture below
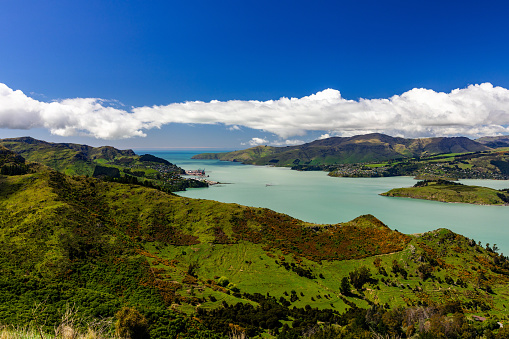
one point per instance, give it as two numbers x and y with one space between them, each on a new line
72 159
445 191
357 149
376 155
102 162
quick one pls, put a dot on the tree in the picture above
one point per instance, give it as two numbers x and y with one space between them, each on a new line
345 287
359 277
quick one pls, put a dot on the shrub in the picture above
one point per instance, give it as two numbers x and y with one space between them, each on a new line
223 281
131 324
233 287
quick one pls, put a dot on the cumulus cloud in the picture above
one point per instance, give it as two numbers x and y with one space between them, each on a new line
287 142
67 117
472 111
256 142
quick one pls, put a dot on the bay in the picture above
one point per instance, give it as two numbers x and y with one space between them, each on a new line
318 198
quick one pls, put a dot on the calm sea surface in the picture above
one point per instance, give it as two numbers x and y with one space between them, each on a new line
315 197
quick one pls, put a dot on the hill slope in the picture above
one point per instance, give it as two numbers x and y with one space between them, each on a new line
105 161
357 149
104 245
495 142
493 164
73 159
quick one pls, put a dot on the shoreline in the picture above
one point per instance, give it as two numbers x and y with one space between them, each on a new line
445 202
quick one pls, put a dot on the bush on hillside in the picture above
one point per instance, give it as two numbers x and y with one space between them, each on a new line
131 324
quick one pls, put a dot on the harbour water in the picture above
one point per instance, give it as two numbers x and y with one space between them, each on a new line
315 197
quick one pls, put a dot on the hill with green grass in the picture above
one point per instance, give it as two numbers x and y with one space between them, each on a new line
492 164
196 268
338 150
105 162
495 142
448 191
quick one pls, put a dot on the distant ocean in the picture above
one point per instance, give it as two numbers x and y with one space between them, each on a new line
315 197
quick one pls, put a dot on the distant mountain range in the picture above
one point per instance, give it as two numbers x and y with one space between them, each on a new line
495 142
341 150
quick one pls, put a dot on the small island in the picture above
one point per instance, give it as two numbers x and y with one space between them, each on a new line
450 191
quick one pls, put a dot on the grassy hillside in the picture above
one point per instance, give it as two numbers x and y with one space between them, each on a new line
493 164
357 149
447 191
103 162
72 159
200 268
495 142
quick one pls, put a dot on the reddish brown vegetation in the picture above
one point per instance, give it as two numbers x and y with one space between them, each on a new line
220 236
365 236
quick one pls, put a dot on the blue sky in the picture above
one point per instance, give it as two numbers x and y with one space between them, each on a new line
248 55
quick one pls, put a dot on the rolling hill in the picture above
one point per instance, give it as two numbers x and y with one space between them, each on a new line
495 142
338 150
72 159
105 161
196 268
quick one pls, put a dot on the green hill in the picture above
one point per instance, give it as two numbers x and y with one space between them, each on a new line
492 164
105 162
205 269
447 191
72 159
495 142
337 150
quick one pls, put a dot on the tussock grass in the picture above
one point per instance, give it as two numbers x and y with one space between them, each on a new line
70 327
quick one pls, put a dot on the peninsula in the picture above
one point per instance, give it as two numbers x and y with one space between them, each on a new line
449 191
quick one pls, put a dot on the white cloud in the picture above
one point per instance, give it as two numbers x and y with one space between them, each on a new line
287 142
256 142
67 117
473 111
324 136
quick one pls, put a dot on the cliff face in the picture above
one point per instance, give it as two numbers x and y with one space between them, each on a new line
339 150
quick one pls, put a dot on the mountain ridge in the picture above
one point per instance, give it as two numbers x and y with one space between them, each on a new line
105 161
343 150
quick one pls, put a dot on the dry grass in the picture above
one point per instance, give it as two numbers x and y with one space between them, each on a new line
70 327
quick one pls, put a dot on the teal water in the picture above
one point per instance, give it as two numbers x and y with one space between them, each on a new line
315 197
